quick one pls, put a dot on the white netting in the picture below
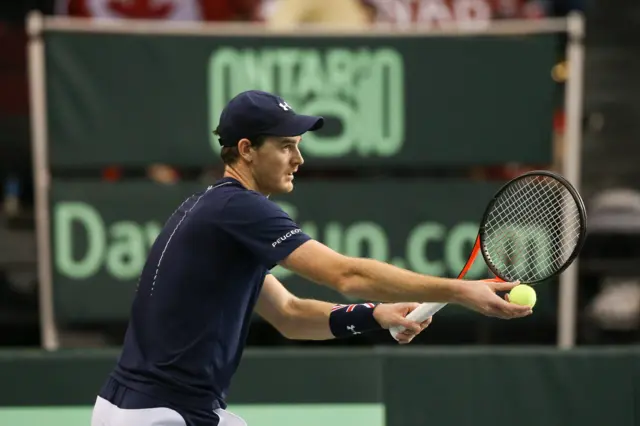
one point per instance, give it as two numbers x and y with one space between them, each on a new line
532 229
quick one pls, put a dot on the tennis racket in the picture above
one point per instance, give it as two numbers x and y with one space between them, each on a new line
531 231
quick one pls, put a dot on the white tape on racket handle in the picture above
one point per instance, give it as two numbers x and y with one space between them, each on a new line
419 314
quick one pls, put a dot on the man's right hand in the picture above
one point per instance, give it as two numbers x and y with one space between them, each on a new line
480 296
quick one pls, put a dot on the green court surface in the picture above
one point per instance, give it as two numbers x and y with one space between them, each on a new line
258 415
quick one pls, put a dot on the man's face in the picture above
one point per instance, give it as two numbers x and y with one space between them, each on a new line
275 162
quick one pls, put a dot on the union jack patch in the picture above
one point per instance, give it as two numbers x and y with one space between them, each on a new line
350 308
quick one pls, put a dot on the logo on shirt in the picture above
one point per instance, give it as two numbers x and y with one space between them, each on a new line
285 236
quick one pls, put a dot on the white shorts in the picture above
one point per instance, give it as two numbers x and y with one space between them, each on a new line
107 414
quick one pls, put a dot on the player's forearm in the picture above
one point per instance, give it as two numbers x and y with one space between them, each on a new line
308 320
373 280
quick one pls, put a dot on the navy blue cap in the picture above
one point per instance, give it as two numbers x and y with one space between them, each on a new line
256 113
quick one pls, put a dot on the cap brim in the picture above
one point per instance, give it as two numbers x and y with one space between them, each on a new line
297 125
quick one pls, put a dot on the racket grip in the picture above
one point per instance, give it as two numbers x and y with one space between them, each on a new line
419 314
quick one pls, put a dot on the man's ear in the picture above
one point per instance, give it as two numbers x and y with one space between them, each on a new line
244 149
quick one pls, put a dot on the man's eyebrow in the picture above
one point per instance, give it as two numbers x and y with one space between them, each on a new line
288 140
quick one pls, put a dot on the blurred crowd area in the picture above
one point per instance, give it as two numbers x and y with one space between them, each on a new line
280 14
610 289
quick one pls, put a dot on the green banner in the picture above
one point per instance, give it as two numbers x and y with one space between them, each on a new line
507 387
396 386
56 389
398 100
101 233
338 377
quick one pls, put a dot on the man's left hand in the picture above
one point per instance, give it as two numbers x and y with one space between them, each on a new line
394 315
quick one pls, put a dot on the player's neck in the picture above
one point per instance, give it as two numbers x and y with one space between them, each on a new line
244 177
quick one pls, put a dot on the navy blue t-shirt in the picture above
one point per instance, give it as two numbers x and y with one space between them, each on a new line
196 294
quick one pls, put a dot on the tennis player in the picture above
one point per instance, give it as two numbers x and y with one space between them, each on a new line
208 271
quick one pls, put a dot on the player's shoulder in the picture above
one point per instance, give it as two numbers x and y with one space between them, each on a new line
229 197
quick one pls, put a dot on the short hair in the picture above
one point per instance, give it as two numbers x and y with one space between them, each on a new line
230 154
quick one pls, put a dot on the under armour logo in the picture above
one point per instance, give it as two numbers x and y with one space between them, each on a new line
285 106
352 328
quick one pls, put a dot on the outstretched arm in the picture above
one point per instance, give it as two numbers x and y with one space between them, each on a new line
374 280
306 319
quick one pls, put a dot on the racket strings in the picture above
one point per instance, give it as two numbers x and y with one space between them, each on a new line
532 229
546 208
511 247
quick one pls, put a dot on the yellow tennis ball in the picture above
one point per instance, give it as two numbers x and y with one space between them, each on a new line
523 294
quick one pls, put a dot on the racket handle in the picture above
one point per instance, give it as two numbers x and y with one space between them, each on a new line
419 314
